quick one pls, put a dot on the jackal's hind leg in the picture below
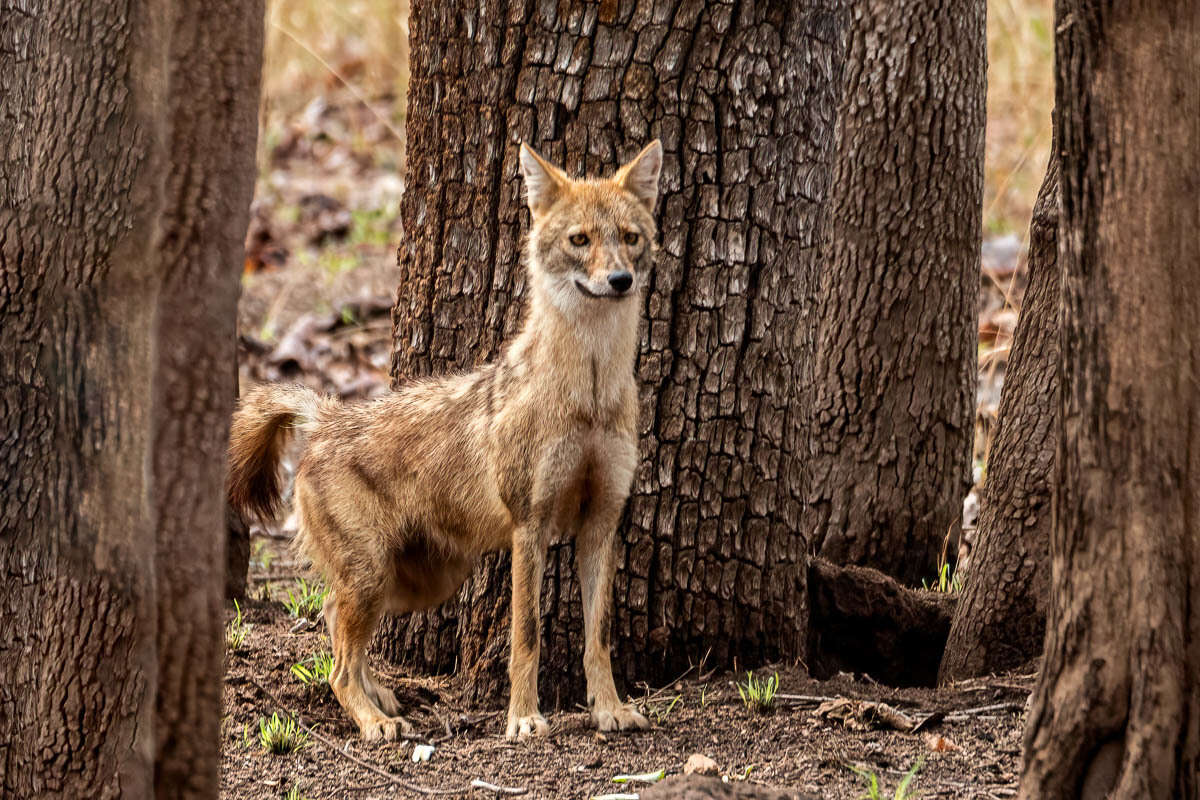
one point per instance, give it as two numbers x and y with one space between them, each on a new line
594 562
383 697
354 623
528 564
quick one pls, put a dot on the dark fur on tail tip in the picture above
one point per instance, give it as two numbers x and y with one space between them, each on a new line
256 440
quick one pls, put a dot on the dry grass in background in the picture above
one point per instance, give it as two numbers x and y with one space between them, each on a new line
1020 97
314 47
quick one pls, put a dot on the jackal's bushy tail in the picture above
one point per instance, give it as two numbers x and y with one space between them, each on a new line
261 425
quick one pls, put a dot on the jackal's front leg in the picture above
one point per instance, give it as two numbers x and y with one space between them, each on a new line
594 562
528 564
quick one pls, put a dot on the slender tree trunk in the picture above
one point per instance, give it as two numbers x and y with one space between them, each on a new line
216 68
1117 708
743 98
1000 620
123 201
890 388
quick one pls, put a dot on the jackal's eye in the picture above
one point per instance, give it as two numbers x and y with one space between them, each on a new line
631 238
579 239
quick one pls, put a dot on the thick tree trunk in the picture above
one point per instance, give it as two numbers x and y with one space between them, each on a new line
1000 621
122 203
1117 708
890 388
710 561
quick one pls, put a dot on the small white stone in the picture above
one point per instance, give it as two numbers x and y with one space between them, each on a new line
422 752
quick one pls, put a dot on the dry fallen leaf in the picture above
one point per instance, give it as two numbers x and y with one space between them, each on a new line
864 715
939 744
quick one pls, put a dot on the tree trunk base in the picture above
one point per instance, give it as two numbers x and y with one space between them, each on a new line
864 621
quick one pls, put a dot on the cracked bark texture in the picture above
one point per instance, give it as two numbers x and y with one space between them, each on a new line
124 208
1000 620
889 391
1116 712
743 96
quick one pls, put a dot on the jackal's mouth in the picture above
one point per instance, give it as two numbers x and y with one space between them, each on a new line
582 287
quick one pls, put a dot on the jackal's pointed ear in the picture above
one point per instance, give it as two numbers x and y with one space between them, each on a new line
640 176
544 182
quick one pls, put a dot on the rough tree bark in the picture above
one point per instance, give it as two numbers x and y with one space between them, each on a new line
890 387
1116 711
1000 620
124 208
743 97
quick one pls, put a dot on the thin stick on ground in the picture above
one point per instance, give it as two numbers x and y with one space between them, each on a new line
393 779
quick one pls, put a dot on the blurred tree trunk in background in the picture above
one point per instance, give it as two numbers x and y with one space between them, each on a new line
743 97
128 166
1000 620
1116 712
889 391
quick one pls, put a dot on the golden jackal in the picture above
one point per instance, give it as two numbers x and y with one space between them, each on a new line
398 498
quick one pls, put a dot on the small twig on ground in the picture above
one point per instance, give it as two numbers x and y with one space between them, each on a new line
445 722
284 576
803 698
1013 687
491 787
658 694
967 713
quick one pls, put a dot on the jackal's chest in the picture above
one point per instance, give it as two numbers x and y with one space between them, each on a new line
567 479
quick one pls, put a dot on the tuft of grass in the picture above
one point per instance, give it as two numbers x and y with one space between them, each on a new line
661 712
247 739
261 555
307 600
237 631
946 582
335 262
903 792
294 793
759 694
281 735
373 226
314 670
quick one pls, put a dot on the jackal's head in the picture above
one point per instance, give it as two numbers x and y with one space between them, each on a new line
591 241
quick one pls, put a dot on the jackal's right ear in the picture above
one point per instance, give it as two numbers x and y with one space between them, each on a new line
544 182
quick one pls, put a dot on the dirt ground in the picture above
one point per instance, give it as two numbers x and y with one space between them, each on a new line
965 755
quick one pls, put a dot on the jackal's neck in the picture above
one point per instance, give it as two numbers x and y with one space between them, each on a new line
588 357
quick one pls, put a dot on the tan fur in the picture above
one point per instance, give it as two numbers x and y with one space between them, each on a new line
398 498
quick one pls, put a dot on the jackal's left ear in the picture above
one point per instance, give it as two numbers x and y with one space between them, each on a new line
640 176
544 182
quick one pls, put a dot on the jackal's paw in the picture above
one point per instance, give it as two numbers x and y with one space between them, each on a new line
526 727
387 729
388 704
621 717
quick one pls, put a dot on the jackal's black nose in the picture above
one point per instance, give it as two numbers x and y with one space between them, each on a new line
620 280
